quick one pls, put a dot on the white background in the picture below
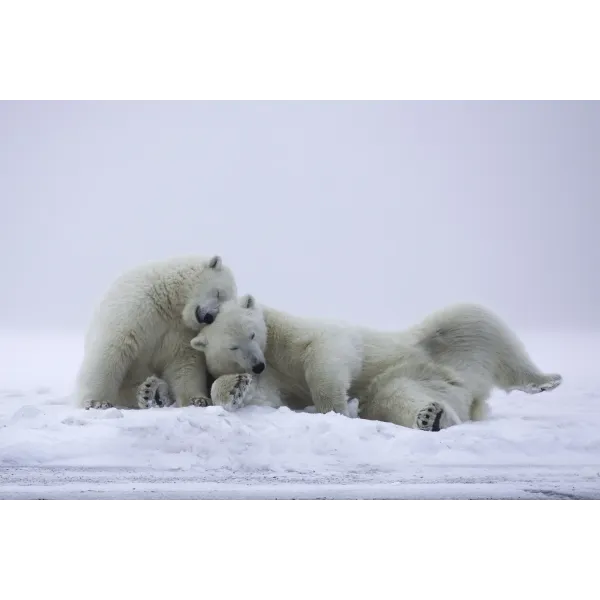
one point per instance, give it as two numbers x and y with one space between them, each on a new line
284 50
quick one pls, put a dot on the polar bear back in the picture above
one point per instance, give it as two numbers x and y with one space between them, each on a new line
153 295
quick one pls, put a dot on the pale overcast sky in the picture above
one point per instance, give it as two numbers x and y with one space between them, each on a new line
370 212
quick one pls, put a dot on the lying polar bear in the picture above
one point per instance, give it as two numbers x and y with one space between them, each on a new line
436 374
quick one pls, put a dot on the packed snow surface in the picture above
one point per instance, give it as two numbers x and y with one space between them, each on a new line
543 446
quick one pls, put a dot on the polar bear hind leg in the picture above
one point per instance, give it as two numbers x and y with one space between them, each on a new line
429 417
481 348
543 383
408 402
104 369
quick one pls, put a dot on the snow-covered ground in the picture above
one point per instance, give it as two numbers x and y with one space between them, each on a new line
544 446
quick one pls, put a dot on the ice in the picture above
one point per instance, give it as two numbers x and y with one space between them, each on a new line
542 446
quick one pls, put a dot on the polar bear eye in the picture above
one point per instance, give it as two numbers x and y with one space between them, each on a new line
252 336
234 348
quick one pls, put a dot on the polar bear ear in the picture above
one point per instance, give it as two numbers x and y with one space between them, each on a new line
199 342
248 301
215 263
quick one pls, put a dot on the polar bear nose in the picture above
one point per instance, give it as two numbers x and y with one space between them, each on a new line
208 318
259 368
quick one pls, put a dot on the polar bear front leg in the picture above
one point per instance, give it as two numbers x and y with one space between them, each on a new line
330 366
186 378
244 389
328 387
232 391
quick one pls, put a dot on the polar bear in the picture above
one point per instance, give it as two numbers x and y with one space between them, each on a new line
142 328
433 375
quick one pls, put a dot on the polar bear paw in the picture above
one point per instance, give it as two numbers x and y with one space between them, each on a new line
153 393
429 418
200 401
98 405
232 391
551 383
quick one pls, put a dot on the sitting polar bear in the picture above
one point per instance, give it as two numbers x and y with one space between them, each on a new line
143 327
436 374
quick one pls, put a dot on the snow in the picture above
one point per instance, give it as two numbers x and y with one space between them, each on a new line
543 446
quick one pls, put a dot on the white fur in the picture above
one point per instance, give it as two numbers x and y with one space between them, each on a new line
452 360
143 327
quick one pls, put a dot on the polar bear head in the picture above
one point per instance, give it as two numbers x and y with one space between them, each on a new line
213 286
236 341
